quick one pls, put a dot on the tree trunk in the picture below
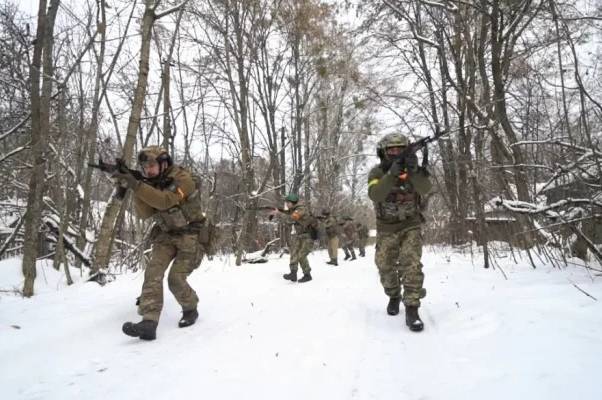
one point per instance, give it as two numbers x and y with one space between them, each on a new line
102 251
40 124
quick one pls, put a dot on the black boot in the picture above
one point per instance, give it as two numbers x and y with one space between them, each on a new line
413 320
393 306
362 254
188 318
332 262
145 329
347 257
352 257
305 278
292 276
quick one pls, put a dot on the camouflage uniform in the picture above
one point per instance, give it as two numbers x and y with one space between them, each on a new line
362 238
349 238
301 241
174 203
397 203
332 233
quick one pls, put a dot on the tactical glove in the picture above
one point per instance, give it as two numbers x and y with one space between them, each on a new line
412 162
396 168
127 178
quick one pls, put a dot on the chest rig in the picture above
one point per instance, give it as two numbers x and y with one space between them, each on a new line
187 214
401 203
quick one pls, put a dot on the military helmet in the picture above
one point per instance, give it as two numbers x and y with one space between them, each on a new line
293 198
154 153
390 140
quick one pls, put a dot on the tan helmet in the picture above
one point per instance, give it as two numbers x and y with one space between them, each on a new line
154 153
390 140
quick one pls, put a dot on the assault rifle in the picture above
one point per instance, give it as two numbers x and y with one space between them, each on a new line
268 208
412 148
119 166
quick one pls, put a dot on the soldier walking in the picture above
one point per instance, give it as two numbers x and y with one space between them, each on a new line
171 197
349 238
396 190
302 242
362 238
332 233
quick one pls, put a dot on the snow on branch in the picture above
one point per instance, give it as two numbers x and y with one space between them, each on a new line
15 128
559 143
449 6
523 207
171 10
13 152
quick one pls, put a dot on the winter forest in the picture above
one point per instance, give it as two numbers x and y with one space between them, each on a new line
263 98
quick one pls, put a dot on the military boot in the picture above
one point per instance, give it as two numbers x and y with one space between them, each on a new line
347 256
352 255
332 262
145 329
188 318
393 306
362 254
413 320
305 278
292 276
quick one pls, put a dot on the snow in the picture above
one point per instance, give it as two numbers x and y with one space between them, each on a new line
259 337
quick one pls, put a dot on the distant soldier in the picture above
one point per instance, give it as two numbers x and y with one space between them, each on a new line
397 191
332 233
349 238
172 197
303 236
362 238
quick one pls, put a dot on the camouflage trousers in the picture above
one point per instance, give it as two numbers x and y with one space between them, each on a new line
186 253
398 260
361 244
333 247
301 246
348 247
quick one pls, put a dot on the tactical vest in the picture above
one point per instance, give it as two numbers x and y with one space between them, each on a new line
401 203
186 214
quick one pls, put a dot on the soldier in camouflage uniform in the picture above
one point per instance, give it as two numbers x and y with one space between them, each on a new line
349 238
332 233
170 195
397 193
301 241
362 238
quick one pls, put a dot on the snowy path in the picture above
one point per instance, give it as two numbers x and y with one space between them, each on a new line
259 337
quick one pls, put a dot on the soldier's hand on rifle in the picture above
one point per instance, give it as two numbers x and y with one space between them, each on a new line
412 162
396 168
127 179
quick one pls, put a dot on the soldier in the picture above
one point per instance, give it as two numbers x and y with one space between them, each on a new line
362 238
332 232
348 238
397 192
301 240
171 196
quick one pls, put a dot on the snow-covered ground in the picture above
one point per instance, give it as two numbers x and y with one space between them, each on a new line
533 336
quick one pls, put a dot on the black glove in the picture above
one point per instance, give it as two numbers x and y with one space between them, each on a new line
120 192
127 178
412 162
395 168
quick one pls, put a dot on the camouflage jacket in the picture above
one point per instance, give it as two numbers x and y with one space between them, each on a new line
362 231
349 229
174 202
331 226
398 205
299 218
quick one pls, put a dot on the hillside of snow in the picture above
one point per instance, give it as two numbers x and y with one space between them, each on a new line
532 336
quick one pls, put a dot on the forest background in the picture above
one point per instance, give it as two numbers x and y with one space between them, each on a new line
262 98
